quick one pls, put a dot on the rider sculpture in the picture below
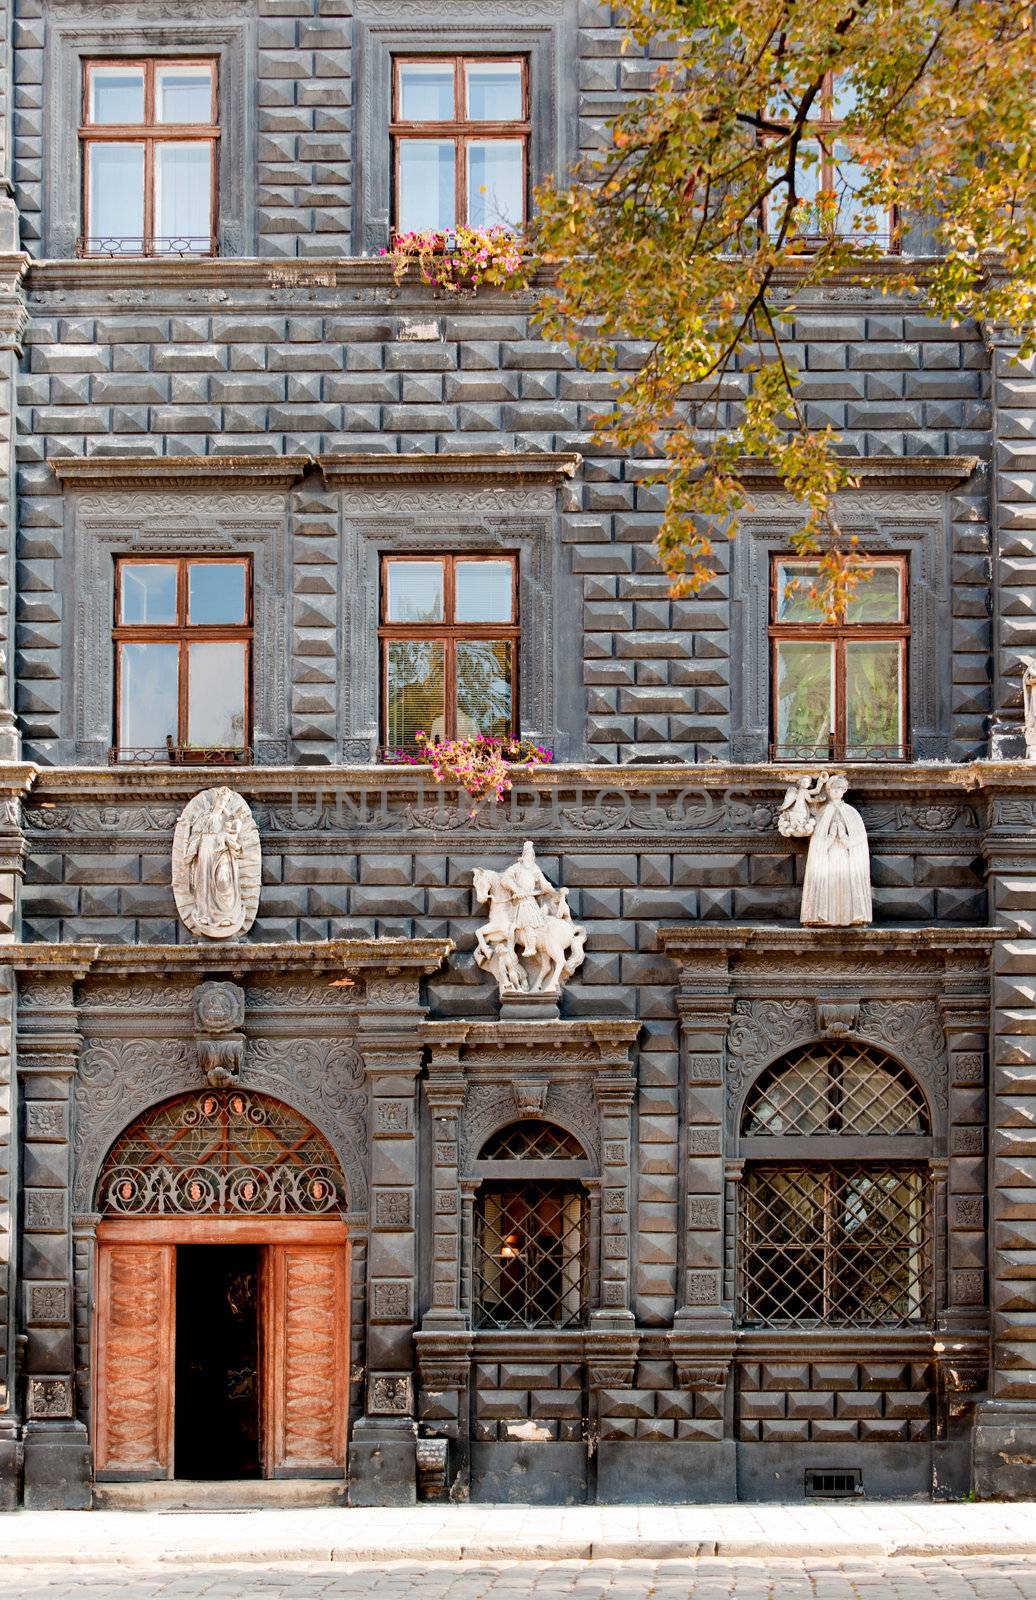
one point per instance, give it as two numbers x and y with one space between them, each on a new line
530 944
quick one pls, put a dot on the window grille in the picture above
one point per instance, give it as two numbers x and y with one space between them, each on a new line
840 1245
532 1141
223 1152
837 1088
531 1256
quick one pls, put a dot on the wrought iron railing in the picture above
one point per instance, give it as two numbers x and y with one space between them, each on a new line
837 750
141 244
178 755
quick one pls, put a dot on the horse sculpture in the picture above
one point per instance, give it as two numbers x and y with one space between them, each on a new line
535 957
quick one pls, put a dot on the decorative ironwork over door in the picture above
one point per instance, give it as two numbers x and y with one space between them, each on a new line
224 1152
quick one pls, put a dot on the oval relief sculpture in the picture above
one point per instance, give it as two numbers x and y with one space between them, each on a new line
216 864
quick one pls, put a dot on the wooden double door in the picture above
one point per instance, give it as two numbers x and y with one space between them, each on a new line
220 1348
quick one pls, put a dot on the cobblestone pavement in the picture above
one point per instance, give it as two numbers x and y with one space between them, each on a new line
894 1578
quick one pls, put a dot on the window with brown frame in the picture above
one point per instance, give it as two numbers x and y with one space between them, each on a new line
828 177
460 142
148 141
449 647
183 658
839 688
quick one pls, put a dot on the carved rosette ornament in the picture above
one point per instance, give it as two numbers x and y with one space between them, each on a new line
217 860
836 891
529 943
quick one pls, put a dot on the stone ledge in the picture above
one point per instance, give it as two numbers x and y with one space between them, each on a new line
179 472
873 472
363 957
479 469
685 941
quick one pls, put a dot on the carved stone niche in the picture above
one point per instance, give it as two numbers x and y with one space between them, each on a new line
219 1015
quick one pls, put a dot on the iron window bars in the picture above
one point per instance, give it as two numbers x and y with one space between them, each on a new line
220 1152
148 140
531 1256
837 1088
839 687
834 1245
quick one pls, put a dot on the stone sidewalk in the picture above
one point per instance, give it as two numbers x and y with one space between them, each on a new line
517 1533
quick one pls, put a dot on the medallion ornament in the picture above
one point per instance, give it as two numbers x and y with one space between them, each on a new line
217 859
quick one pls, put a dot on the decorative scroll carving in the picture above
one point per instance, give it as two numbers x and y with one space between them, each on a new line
313 1384
530 943
761 1030
490 1106
135 1287
216 864
119 1079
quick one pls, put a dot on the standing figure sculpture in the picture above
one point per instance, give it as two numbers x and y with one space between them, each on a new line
1029 704
836 892
216 864
212 858
529 944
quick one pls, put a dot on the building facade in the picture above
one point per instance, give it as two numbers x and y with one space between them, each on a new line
751 1211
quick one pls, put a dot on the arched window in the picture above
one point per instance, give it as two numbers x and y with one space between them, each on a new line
834 1223
224 1152
532 1230
840 1088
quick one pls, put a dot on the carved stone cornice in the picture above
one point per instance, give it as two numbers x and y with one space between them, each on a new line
478 469
342 960
180 472
685 942
611 1357
872 472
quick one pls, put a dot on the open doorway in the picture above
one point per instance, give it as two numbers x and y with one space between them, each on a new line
216 1415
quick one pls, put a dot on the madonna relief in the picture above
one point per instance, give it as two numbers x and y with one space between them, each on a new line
216 864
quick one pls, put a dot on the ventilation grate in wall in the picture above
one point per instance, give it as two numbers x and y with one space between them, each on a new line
828 1484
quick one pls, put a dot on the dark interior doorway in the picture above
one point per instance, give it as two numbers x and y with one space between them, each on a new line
216 1413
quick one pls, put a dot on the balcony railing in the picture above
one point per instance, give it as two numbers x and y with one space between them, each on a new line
178 755
110 245
834 750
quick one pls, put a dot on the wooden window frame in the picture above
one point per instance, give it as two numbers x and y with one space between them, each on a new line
182 633
462 130
149 133
838 634
450 632
825 130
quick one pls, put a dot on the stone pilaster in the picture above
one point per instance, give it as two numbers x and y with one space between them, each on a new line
1005 1435
1013 535
614 1090
57 1456
443 1341
383 1464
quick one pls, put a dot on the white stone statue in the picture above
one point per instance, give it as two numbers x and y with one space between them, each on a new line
1029 703
530 943
217 861
836 892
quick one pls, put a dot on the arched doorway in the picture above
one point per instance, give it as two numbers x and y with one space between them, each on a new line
221 1295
